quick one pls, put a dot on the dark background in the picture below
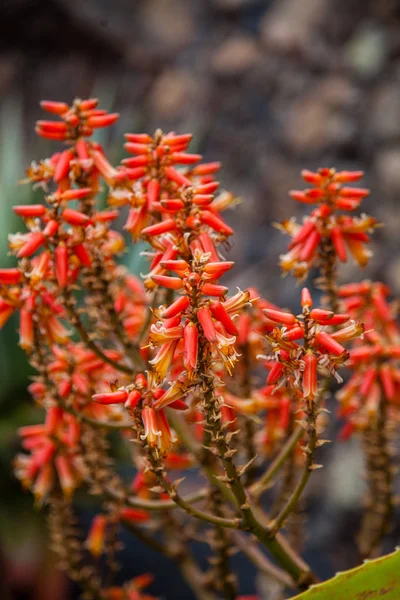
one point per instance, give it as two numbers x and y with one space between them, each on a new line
267 87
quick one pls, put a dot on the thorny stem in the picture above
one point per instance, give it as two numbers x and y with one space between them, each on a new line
309 466
184 433
69 548
309 450
249 427
157 467
180 536
274 542
278 547
288 476
379 477
222 546
155 505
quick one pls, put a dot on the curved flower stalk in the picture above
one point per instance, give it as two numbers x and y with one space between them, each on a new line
369 401
327 235
192 342
301 348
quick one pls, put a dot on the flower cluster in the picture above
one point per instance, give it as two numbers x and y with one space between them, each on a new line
301 345
63 243
151 400
158 189
54 459
375 361
326 229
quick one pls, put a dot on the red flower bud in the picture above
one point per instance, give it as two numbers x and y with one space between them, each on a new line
159 228
118 397
174 175
279 316
102 120
30 210
211 289
306 299
61 264
56 108
35 240
75 217
327 342
216 223
222 316
62 167
10 276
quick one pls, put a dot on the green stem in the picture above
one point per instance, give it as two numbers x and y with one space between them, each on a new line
254 555
263 483
309 466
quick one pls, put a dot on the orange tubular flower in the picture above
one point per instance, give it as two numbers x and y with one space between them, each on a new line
191 336
310 376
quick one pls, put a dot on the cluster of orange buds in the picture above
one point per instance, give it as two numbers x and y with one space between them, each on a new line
159 185
375 362
150 399
301 344
84 161
75 372
53 461
26 292
183 232
61 241
193 316
133 590
326 225
78 120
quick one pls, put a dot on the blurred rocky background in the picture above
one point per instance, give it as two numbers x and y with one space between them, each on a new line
266 86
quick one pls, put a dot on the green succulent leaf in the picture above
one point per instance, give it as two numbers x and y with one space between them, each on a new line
375 579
